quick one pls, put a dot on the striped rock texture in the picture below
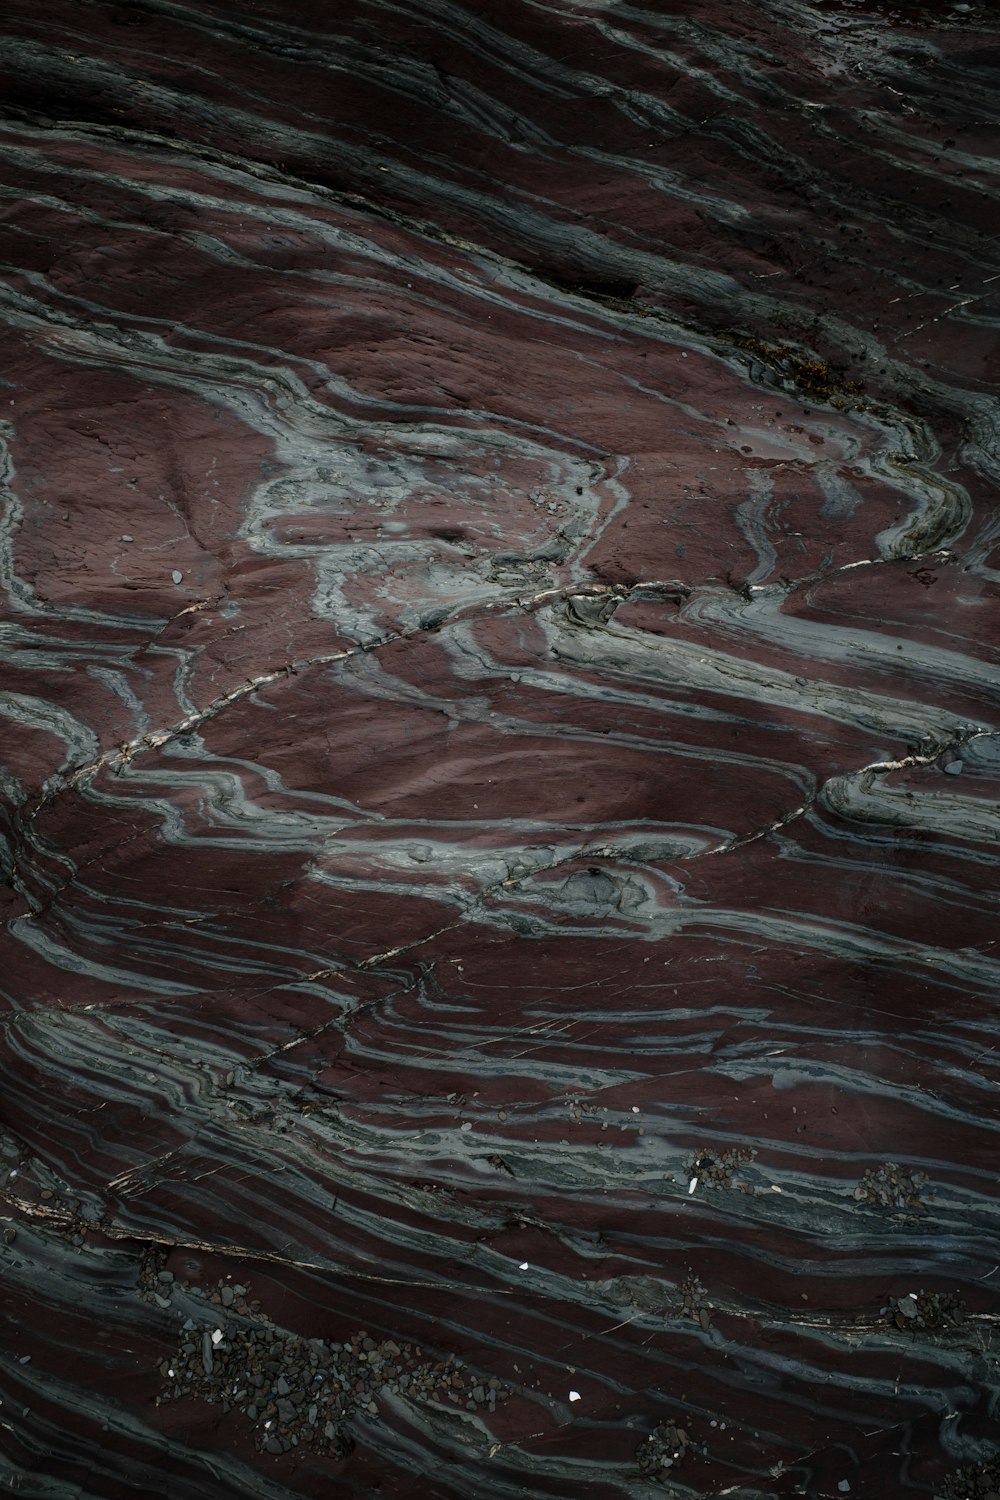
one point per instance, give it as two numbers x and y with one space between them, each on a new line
501 742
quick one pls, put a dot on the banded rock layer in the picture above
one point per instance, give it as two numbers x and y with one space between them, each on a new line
501 741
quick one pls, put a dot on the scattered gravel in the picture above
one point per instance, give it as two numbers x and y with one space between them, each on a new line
890 1186
972 1482
930 1311
694 1301
718 1169
663 1451
304 1391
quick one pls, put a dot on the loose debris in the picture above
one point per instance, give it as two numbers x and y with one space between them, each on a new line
794 370
300 1391
663 1450
711 1168
929 1311
972 1482
890 1186
694 1301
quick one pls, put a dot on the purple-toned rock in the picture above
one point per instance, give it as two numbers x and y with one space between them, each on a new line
501 748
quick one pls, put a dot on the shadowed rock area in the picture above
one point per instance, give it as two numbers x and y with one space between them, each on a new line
500 722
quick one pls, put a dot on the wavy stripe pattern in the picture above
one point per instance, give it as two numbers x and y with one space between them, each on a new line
501 729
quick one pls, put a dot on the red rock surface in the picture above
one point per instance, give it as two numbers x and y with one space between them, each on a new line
500 731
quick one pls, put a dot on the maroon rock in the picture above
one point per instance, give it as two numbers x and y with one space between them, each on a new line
500 749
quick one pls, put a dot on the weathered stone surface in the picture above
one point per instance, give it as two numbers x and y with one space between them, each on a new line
501 744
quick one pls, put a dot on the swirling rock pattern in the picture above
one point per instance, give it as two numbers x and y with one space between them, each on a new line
502 739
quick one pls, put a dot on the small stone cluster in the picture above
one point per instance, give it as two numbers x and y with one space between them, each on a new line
972 1482
287 1386
157 1284
718 1168
694 1301
798 370
663 1450
930 1311
891 1186
300 1391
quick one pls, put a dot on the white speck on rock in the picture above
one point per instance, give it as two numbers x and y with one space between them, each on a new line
692 1185
177 576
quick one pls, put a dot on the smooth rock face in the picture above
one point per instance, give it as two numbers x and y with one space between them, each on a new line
501 743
